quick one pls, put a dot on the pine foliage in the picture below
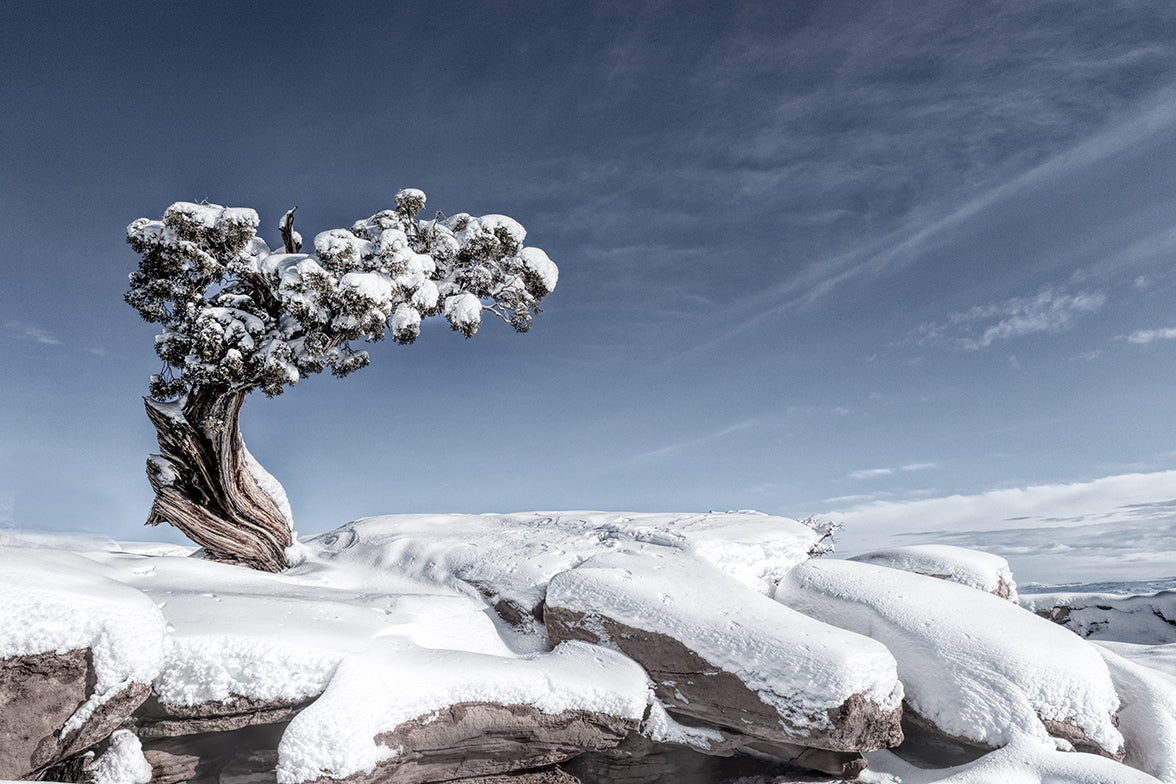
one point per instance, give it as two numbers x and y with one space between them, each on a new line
237 316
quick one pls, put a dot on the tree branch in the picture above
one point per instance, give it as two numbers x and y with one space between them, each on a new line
293 245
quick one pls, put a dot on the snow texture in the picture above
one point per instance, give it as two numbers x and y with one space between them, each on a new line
1157 657
238 632
54 601
467 553
1147 718
540 266
976 665
122 763
974 568
799 666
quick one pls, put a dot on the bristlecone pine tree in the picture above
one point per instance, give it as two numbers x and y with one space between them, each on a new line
237 317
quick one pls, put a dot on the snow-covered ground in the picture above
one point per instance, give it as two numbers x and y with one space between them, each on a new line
391 618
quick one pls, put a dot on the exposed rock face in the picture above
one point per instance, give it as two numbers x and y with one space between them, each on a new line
158 720
552 775
691 686
245 756
638 760
479 739
926 746
1069 731
38 695
478 743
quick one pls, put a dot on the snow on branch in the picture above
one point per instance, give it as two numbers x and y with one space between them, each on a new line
238 315
827 529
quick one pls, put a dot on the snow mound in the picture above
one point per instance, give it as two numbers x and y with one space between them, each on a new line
395 682
54 601
122 763
1146 619
801 667
974 568
241 633
512 557
978 667
1157 657
1148 716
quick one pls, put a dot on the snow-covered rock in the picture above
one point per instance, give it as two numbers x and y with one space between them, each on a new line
240 634
974 568
433 715
1148 619
78 653
387 647
728 657
507 560
974 665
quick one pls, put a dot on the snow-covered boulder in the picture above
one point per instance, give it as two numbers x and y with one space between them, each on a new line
727 657
974 568
245 645
1148 619
506 560
403 713
78 653
975 666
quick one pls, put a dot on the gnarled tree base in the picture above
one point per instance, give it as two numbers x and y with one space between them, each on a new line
204 487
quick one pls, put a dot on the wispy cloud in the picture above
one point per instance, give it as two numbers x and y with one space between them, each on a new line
1145 336
981 326
871 473
30 332
874 473
683 446
925 225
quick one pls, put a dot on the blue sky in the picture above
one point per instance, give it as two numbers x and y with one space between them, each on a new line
814 256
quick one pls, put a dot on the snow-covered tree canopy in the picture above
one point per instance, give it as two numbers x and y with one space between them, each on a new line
238 316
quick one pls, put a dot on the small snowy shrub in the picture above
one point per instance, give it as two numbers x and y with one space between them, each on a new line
827 529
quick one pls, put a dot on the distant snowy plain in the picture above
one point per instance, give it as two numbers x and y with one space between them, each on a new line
416 590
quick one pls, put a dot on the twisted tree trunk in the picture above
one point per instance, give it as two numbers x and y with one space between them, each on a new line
203 484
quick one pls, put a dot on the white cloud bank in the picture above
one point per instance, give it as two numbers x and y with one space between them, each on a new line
1116 527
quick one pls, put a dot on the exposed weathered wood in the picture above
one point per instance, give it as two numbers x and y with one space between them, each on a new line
204 487
293 245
